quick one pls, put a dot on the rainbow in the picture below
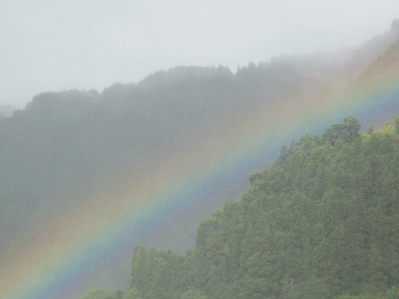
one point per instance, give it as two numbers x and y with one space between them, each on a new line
81 245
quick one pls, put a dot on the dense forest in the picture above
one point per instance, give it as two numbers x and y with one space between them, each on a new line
75 141
321 222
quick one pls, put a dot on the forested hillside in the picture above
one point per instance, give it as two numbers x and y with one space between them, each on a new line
69 144
80 151
73 162
65 145
7 110
321 222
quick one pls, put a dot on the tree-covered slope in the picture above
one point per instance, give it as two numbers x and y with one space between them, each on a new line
321 222
67 145
75 157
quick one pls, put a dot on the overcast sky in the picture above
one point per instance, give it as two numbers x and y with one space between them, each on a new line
85 44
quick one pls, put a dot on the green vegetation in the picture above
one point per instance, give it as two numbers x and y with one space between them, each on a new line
73 150
392 293
65 145
321 222
100 294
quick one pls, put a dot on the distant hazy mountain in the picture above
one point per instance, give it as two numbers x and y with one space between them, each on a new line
7 110
74 148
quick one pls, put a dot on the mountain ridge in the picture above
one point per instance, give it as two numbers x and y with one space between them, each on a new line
83 151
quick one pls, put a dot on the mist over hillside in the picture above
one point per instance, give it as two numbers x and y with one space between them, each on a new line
7 110
80 151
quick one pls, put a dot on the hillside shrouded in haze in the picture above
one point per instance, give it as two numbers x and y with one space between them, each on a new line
319 223
88 176
62 45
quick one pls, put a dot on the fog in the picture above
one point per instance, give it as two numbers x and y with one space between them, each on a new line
61 45
155 97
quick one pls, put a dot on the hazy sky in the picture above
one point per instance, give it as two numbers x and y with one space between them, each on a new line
63 44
